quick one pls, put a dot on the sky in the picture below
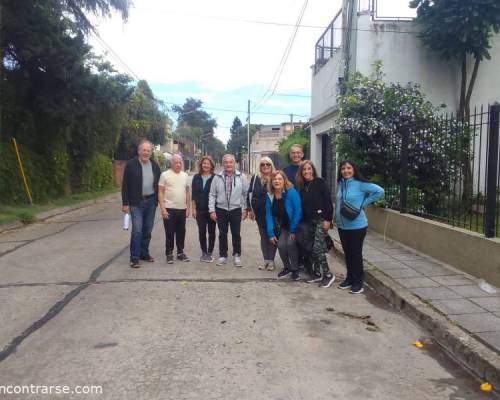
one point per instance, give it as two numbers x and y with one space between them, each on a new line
211 51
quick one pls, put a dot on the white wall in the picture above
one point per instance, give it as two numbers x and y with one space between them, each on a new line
405 59
324 87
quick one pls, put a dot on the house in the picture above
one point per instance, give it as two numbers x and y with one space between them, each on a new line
383 30
265 142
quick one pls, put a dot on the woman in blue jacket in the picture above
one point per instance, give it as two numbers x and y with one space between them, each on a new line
283 214
354 192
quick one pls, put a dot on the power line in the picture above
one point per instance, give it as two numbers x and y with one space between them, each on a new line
281 66
239 111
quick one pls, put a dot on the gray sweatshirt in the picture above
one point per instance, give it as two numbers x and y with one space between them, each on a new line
239 189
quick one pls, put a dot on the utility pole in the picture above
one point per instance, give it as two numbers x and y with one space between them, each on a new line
248 137
291 118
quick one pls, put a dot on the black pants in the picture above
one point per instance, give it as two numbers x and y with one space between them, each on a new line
352 243
175 229
206 224
226 219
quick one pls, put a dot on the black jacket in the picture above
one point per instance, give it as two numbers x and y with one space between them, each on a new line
316 200
256 200
199 193
132 182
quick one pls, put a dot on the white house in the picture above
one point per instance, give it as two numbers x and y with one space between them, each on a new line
373 34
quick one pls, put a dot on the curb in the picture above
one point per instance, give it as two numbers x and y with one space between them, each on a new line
43 216
468 351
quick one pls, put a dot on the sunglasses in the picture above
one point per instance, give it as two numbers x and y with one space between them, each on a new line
265 165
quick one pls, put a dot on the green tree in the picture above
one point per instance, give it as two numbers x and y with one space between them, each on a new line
238 139
458 29
192 114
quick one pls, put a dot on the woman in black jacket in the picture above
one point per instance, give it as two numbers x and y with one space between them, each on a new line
200 191
256 202
318 213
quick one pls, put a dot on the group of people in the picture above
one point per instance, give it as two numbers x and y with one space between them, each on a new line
291 207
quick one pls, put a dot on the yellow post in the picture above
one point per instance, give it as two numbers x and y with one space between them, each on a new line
22 170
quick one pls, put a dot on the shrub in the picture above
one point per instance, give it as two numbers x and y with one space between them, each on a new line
97 173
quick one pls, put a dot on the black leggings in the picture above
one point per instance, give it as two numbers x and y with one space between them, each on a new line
206 224
352 243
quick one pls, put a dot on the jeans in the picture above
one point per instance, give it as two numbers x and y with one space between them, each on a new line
226 219
289 251
267 248
175 229
352 243
143 218
206 224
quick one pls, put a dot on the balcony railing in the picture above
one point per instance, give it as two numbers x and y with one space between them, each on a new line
329 42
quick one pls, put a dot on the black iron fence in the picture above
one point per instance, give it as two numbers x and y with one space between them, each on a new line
448 172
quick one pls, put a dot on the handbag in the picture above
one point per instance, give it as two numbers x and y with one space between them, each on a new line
347 210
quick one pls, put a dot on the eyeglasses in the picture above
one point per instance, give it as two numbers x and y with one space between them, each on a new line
265 165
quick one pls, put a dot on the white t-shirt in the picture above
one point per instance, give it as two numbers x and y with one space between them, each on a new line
175 188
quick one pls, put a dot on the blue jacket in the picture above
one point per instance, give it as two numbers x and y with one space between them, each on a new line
293 206
355 192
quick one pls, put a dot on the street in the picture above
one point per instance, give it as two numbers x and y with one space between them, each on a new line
74 313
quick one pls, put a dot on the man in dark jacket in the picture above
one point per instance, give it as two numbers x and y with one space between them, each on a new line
139 199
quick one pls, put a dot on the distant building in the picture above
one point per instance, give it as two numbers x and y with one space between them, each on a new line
265 142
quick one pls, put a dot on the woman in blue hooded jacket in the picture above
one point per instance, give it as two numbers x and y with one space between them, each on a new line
355 192
283 214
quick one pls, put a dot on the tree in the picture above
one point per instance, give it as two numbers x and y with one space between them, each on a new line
192 114
458 29
237 143
368 131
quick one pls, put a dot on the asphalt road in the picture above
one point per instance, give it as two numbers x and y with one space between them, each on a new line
73 313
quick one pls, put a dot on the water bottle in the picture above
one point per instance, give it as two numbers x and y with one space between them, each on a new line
126 221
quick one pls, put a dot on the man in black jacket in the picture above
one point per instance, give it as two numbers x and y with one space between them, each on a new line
139 199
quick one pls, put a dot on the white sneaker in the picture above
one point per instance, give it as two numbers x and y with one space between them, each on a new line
262 265
221 261
271 266
237 261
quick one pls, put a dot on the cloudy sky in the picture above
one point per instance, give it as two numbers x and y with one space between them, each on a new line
223 52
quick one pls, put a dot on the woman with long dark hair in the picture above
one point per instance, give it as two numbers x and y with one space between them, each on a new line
256 202
353 195
200 192
317 214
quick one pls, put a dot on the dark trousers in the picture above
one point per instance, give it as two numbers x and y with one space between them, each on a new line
352 243
206 224
226 219
175 229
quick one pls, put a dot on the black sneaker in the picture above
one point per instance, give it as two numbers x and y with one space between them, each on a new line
295 276
170 258
182 257
134 264
284 273
327 281
357 289
315 279
345 285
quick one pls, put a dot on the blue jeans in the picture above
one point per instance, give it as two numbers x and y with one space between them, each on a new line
143 218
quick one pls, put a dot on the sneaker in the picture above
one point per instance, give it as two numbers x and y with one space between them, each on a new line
295 276
237 261
134 264
345 285
182 257
170 258
315 279
221 261
327 281
356 289
284 273
263 265
210 257
271 266
206 258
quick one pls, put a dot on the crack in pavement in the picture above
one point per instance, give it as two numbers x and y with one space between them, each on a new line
27 242
12 346
195 280
38 284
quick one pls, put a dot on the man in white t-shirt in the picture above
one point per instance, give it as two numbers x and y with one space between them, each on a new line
174 201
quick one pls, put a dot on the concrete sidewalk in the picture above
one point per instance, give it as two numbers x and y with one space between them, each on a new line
412 278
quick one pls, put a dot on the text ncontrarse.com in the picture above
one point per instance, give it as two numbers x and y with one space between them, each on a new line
49 389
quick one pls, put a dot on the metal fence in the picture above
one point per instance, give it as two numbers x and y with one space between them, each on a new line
329 42
449 172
